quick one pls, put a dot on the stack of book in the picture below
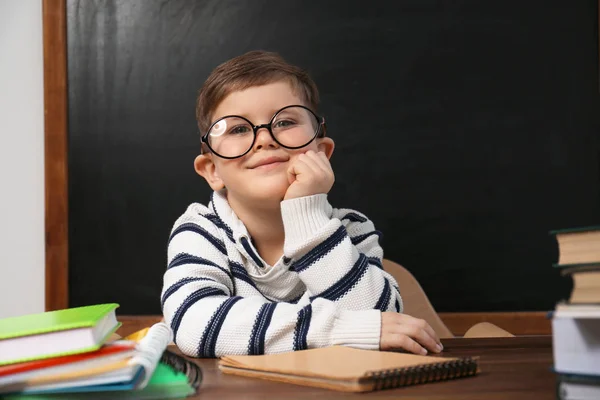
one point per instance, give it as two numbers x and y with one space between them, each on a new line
576 321
67 354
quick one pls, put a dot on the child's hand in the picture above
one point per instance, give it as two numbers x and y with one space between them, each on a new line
310 174
401 331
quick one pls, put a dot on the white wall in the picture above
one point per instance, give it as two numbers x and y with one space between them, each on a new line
21 158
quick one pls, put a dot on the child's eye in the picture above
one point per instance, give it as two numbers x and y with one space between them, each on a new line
284 123
239 129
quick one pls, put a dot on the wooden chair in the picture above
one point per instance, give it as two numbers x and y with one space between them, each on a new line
417 304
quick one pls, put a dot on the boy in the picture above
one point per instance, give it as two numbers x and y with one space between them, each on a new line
269 265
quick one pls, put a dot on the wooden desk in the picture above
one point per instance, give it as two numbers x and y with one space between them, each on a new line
512 368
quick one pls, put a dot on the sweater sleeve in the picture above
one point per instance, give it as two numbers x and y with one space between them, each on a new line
337 255
209 319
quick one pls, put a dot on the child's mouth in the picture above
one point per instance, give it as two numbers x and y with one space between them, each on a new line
269 166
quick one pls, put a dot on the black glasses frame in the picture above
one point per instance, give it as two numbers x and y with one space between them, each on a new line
320 132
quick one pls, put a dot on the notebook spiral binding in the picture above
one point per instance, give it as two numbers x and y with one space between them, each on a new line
180 364
424 373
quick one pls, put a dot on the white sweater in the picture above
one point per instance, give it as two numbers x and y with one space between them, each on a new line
328 288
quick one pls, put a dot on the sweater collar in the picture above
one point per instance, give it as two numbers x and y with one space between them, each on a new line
220 206
235 228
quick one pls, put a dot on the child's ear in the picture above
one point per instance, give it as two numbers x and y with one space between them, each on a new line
205 167
326 145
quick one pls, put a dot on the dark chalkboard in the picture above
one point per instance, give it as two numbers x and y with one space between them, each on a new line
466 130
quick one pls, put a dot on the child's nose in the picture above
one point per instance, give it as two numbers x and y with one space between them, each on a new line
264 139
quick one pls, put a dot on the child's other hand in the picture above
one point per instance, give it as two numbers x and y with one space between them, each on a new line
309 174
401 331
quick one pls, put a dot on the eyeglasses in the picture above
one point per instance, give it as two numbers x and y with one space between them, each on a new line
292 127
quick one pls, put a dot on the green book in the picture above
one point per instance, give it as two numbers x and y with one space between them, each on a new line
56 333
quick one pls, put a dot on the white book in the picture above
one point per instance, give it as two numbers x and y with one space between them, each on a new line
577 390
576 340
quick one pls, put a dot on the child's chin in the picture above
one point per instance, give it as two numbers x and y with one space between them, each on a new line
270 192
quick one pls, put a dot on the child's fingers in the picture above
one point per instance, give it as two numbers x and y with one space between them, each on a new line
298 167
421 336
420 323
323 157
291 176
416 333
292 172
392 341
417 329
318 160
310 163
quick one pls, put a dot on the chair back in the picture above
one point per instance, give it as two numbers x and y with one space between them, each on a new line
415 300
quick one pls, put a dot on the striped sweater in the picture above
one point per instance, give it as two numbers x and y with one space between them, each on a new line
328 288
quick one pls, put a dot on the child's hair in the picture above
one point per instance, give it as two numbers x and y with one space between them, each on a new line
254 68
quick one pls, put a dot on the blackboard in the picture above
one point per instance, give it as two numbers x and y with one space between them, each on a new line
466 130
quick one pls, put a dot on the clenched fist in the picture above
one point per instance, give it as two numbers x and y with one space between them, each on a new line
309 174
401 331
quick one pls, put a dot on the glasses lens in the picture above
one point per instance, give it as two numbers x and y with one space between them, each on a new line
230 137
295 126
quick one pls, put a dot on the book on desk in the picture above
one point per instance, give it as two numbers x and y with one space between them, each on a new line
56 333
576 320
71 357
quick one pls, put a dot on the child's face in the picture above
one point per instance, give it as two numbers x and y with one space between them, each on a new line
248 178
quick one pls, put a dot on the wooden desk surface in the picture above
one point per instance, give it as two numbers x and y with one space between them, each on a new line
511 368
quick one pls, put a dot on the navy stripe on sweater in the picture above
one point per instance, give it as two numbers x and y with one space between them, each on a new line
341 287
251 252
220 224
238 271
301 331
174 287
397 302
375 261
353 217
191 227
319 251
360 238
185 258
384 299
208 343
190 301
256 345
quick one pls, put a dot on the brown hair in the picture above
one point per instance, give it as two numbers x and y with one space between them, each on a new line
254 68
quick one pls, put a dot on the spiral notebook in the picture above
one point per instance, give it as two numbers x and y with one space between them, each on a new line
349 369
